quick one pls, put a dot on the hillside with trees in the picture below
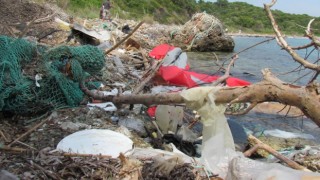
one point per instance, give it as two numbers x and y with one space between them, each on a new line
235 15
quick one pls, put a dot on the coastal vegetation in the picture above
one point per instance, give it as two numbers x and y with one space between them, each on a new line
236 16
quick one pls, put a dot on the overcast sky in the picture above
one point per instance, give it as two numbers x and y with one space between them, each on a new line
310 7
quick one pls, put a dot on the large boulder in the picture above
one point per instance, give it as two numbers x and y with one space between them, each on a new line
203 32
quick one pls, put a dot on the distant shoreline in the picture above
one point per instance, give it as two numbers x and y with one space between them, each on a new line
259 35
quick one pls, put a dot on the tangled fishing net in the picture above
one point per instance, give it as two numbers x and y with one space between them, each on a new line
61 70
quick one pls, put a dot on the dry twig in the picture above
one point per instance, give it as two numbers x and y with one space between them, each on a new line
231 63
309 34
261 145
227 73
85 155
26 28
124 39
4 137
30 131
12 149
145 59
48 173
283 43
148 76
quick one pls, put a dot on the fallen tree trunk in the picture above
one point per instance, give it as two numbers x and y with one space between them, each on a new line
271 89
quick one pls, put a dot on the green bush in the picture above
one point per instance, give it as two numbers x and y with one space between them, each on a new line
234 15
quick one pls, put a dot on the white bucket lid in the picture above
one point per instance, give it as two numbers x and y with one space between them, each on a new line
96 142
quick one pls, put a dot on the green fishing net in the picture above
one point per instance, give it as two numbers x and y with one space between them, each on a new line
61 70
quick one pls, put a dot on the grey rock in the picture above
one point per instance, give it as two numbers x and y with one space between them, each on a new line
5 175
134 124
73 126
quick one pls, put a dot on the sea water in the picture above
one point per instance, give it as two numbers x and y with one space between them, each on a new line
250 62
248 67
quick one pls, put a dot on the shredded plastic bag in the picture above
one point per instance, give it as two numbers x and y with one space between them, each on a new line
218 145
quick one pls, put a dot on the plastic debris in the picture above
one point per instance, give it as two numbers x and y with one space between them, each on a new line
286 135
102 36
95 142
160 89
141 153
37 78
168 117
107 106
119 65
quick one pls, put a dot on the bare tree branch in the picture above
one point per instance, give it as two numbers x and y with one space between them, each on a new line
304 46
311 35
227 73
283 43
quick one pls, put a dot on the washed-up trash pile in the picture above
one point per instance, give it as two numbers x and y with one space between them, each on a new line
86 138
210 143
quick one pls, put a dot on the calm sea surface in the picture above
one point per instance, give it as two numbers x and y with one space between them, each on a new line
248 66
250 63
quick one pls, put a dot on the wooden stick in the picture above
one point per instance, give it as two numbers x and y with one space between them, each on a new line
261 145
252 150
24 144
194 122
227 73
10 31
29 131
13 149
154 70
157 127
24 32
49 173
85 155
145 59
124 39
45 19
4 137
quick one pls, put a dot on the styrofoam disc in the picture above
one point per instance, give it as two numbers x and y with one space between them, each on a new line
95 142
